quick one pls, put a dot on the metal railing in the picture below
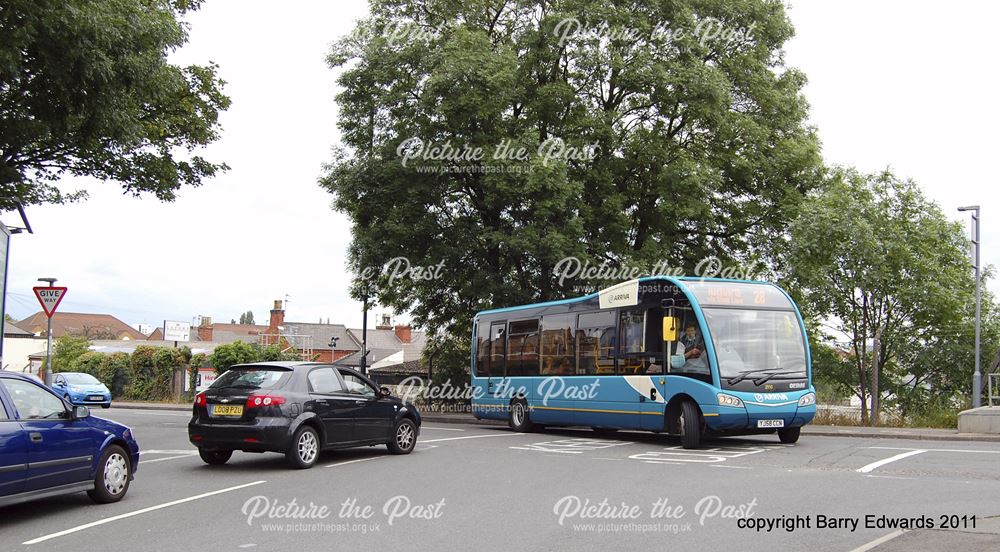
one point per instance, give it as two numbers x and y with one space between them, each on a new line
993 383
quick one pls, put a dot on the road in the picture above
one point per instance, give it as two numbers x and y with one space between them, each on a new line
486 488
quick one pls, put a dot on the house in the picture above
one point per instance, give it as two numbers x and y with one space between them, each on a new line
18 346
395 352
91 326
319 342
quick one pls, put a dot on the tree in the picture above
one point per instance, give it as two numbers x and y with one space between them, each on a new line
86 90
228 354
247 318
66 350
870 255
636 149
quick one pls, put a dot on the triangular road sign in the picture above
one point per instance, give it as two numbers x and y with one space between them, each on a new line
49 297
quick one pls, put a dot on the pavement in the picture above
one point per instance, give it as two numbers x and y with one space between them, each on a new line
488 488
921 434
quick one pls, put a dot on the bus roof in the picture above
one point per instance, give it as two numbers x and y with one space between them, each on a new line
640 279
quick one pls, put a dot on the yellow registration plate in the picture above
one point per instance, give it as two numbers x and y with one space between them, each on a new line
227 410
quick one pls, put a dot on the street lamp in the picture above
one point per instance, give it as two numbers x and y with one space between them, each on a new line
48 339
977 377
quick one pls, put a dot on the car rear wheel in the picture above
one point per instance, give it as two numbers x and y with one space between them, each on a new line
304 451
789 435
113 474
105 406
690 425
215 457
404 438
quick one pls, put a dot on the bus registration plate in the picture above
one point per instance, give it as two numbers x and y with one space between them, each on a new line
770 423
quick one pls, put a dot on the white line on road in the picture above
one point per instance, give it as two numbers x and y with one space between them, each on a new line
174 451
167 458
441 428
138 512
939 450
335 464
880 463
475 437
878 541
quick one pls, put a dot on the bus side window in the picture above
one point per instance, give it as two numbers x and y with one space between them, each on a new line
498 344
483 350
596 343
522 348
558 345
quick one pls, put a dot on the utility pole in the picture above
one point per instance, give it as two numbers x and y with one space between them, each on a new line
364 332
977 376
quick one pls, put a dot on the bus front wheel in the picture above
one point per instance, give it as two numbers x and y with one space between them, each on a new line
520 417
789 435
690 425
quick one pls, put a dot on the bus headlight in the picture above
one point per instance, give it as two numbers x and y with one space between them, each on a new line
807 399
729 400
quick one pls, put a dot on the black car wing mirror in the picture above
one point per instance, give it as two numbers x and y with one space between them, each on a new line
384 392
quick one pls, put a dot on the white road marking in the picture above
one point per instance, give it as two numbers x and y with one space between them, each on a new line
704 456
149 413
880 463
138 512
878 541
335 464
441 428
175 451
572 446
166 458
476 437
939 450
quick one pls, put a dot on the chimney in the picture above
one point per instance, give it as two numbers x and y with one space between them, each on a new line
277 317
385 324
205 329
403 333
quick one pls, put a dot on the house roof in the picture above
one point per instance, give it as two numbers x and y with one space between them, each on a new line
155 335
319 335
83 324
14 331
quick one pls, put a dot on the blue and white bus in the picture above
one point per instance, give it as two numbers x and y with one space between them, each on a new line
686 356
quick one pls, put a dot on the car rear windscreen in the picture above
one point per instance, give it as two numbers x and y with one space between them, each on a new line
252 378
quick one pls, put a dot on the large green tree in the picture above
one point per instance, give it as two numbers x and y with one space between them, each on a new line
873 261
86 89
682 135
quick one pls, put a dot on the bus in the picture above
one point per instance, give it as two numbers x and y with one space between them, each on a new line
690 357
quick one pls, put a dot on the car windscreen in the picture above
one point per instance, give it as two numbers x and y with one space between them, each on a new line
252 378
81 379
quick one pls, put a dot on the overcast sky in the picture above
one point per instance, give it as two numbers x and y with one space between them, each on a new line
902 84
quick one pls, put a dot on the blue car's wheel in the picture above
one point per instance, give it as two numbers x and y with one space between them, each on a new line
112 478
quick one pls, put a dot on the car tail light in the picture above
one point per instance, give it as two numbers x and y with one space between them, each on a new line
256 401
199 399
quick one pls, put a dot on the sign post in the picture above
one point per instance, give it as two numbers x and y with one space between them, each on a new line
49 296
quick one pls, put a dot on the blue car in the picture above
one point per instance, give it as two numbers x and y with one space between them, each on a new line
80 388
49 447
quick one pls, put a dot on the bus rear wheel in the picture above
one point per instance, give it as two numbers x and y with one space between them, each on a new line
690 425
520 417
789 435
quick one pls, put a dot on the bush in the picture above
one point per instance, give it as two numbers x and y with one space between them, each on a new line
88 363
114 372
140 373
237 352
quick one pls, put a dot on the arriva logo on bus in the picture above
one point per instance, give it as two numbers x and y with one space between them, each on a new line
770 397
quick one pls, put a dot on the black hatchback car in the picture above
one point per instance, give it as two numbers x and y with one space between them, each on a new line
298 409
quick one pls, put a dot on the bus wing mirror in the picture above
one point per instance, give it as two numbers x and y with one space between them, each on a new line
671 326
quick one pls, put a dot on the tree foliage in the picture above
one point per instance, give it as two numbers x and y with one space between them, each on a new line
86 89
238 352
871 256
693 146
247 318
66 350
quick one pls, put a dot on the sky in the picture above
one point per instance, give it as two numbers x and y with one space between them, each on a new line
899 84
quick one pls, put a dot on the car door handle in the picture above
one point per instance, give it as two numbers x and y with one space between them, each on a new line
35 437
652 393
360 402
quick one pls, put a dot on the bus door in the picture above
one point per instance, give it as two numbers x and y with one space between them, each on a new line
641 365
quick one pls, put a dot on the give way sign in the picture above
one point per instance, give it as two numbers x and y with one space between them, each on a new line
49 297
